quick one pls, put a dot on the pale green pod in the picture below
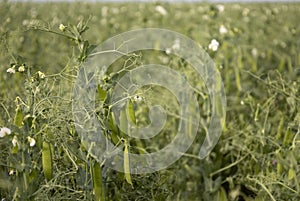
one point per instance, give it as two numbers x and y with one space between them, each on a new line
47 160
130 111
279 129
123 121
126 165
18 120
97 182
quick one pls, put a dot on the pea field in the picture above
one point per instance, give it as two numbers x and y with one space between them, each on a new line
254 46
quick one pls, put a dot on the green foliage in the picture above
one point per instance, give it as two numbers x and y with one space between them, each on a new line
45 44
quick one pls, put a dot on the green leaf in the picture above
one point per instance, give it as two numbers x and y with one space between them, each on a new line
82 26
90 49
222 195
75 32
112 123
33 176
79 25
101 93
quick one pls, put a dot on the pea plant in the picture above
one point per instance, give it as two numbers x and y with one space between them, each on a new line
34 146
43 138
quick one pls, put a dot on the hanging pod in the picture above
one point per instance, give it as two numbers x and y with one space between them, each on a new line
97 182
18 119
126 164
47 160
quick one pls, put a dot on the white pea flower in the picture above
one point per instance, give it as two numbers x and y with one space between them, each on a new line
25 22
223 30
5 131
14 141
31 141
214 45
254 52
115 10
161 10
176 45
2 134
21 68
220 8
11 70
104 11
245 12
11 172
62 27
168 51
137 98
41 75
205 17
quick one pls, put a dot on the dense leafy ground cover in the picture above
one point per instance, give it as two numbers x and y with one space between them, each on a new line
258 154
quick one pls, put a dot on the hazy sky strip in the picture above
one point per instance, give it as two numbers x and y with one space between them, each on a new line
235 1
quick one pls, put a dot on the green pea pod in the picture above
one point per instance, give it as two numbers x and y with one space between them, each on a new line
279 129
130 111
281 64
97 182
126 165
101 93
47 160
123 122
279 165
18 120
287 137
291 174
237 71
114 128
